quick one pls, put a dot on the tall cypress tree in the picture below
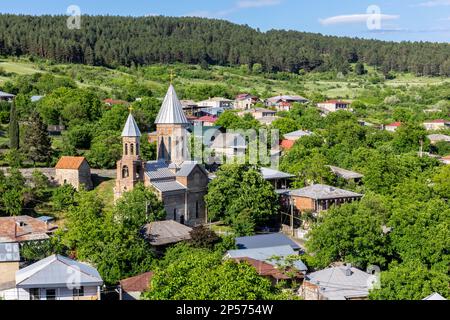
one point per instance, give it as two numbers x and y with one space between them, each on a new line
13 128
37 143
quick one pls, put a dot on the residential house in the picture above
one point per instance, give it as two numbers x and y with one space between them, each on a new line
56 278
6 96
55 130
9 264
267 121
190 108
296 135
132 288
245 101
280 180
333 106
287 145
274 255
24 228
163 233
284 102
74 171
214 112
259 113
229 145
208 121
265 241
318 197
217 102
179 183
337 283
435 125
435 138
393 126
346 174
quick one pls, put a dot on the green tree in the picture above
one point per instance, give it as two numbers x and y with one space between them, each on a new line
37 143
285 125
202 237
63 197
13 128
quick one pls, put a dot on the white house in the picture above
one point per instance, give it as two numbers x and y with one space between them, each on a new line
434 125
217 102
55 278
334 105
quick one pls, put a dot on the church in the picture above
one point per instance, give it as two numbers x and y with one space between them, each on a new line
179 183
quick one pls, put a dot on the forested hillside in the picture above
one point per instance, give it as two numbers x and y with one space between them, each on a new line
113 41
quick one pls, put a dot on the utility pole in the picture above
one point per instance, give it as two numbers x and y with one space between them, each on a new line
421 148
292 216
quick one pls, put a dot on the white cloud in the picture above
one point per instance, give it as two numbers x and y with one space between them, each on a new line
257 3
355 18
434 3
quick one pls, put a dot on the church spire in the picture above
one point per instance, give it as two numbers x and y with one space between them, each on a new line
131 128
171 111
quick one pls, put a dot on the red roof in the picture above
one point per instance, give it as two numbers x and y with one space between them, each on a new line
285 104
287 144
265 269
208 119
114 102
73 163
395 124
139 283
446 158
24 228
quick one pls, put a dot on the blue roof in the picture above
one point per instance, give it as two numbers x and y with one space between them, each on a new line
46 218
265 240
268 255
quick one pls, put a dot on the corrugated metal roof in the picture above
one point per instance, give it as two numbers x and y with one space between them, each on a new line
57 271
267 255
297 134
271 174
131 128
9 252
168 186
186 168
265 240
157 170
322 192
171 111
345 174
6 95
335 284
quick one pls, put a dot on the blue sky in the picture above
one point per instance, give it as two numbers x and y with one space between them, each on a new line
397 20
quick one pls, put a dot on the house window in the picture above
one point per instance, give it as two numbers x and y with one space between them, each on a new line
35 294
50 294
125 172
78 292
175 214
126 149
131 149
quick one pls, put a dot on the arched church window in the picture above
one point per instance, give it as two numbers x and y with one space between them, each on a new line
175 214
137 148
169 146
125 172
126 149
132 149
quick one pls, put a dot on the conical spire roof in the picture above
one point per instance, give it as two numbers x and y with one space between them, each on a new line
131 128
171 111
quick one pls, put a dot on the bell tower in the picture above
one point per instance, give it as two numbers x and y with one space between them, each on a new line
130 170
171 126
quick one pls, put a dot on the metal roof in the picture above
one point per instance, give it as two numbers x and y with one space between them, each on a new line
131 128
345 174
335 284
7 95
171 111
9 252
272 174
157 170
166 232
439 137
323 192
297 134
265 240
434 296
57 271
286 98
267 255
168 186
229 140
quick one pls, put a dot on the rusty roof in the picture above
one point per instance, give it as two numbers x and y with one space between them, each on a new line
24 228
70 162
137 283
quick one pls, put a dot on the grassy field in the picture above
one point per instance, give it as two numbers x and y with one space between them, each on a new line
156 77
105 192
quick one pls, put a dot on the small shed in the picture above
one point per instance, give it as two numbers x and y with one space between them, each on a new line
132 288
74 171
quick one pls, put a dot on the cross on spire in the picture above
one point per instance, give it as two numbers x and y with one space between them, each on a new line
130 108
172 75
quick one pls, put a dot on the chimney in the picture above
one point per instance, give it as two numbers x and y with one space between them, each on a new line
348 270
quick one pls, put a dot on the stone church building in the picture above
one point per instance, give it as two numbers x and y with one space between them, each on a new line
179 183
